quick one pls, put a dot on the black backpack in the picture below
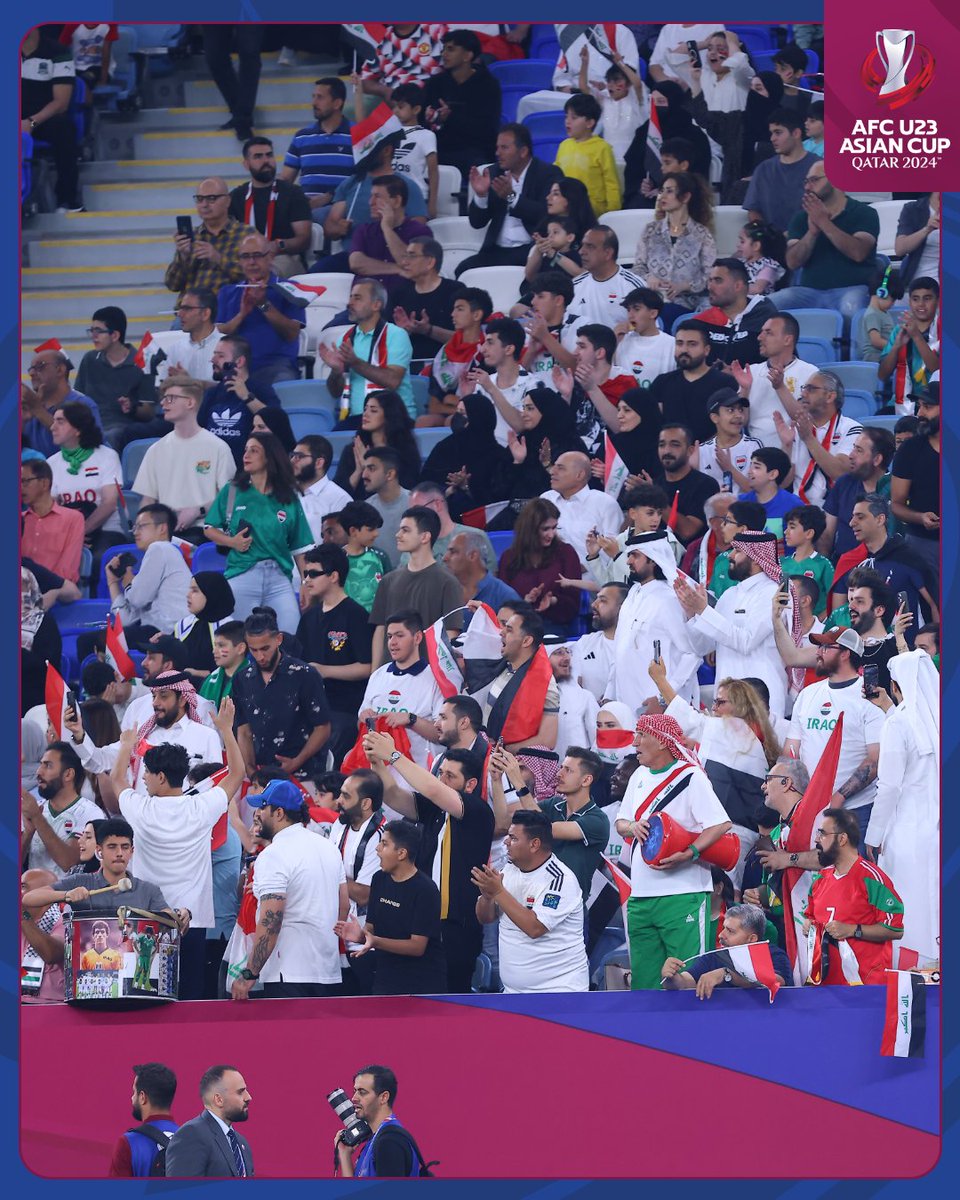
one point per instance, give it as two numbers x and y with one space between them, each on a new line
399 1130
161 1139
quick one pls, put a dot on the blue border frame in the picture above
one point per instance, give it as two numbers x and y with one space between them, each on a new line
759 1134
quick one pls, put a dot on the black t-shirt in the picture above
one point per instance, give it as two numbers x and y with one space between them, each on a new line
48 65
338 638
474 112
438 306
470 840
917 461
695 489
399 910
292 205
878 654
685 401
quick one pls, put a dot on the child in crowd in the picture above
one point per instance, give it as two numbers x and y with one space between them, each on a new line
584 156
229 653
471 311
645 505
416 156
802 527
769 467
91 52
368 565
762 250
623 101
877 324
553 249
645 350
813 128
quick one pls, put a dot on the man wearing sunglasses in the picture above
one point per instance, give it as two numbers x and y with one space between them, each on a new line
209 257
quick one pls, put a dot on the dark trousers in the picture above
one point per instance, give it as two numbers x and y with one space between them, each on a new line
294 991
239 89
495 256
462 942
358 976
60 134
193 963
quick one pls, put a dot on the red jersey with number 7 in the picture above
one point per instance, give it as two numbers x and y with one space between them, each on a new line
863 896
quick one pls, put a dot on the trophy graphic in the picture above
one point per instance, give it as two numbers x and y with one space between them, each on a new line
892 47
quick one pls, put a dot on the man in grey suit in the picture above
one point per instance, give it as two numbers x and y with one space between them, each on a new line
208 1146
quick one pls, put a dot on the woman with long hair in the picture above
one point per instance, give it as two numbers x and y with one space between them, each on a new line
100 722
676 250
385 422
89 862
737 746
259 520
533 564
570 198
275 421
86 476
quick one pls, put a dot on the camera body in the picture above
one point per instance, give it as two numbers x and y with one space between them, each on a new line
355 1129
126 560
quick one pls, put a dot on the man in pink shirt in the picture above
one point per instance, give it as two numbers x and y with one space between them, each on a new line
52 535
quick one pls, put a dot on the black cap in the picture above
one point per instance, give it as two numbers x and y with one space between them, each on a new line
171 648
930 393
725 398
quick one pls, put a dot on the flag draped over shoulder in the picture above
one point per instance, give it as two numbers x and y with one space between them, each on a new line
905 1019
795 882
441 660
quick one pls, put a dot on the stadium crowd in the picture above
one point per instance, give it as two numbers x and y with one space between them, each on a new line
405 710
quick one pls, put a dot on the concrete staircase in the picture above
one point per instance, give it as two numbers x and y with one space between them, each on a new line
147 167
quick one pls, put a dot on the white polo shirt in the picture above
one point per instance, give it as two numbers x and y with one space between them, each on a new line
585 510
172 846
308 871
556 961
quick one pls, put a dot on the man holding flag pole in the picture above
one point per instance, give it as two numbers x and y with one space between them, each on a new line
744 960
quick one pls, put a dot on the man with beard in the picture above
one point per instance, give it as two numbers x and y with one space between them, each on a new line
839 690
854 909
301 889
274 207
593 654
459 724
49 828
356 836
208 1147
228 407
684 394
377 246
164 654
311 458
328 136
650 614
739 628
743 924
577 719
871 604
391 1151
821 438
870 458
691 489
735 318
154 1087
915 488
263 313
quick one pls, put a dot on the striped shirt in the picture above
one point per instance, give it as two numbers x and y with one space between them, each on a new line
311 153
201 272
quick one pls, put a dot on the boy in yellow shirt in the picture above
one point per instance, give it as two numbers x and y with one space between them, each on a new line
584 156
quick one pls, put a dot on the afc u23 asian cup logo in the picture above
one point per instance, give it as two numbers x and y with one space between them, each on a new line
884 70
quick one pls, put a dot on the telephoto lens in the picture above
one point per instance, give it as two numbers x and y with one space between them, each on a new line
356 1129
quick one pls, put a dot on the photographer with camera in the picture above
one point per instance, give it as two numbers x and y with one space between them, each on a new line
229 406
154 598
389 1152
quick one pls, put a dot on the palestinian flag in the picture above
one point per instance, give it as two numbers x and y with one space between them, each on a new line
364 39
905 1020
55 698
140 357
480 518
753 962
303 294
367 135
49 344
441 660
795 883
614 469
117 653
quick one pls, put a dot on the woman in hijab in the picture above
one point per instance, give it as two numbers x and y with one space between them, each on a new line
40 642
275 421
761 102
676 121
905 822
466 462
549 429
210 602
638 432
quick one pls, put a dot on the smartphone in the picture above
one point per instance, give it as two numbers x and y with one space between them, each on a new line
694 51
499 743
228 371
245 527
185 227
656 650
903 604
785 586
371 723
871 679
72 703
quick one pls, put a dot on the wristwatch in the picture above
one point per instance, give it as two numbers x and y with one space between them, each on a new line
523 791
394 757
727 977
411 720
246 973
264 306
281 245
858 932
794 859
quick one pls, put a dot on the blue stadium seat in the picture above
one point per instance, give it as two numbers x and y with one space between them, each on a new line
295 395
500 540
81 615
421 392
86 569
859 406
518 78
544 43
26 166
815 350
825 323
546 124
856 375
482 974
304 421
103 592
207 557
132 457
545 148
754 36
426 439
121 91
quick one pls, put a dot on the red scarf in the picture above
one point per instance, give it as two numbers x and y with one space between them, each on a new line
271 209
812 466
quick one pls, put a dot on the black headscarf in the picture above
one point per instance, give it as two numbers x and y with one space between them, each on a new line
476 449
676 121
756 118
198 642
638 448
558 426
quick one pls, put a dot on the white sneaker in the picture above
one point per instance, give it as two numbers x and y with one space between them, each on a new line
75 209
287 57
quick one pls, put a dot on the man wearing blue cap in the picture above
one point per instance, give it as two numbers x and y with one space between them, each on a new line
301 889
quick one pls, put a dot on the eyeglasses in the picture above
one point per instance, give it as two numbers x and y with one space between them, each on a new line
210 199
784 779
717 702
25 479
252 256
314 574
728 520
140 525
96 330
188 308
825 833
41 366
299 454
812 387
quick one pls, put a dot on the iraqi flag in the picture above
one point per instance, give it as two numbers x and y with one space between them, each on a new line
480 518
672 515
368 134
218 834
795 883
49 344
651 158
905 1019
302 294
614 469
753 962
140 358
609 893
364 39
441 660
117 654
482 649
55 698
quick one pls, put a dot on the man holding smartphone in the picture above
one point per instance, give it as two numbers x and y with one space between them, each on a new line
207 257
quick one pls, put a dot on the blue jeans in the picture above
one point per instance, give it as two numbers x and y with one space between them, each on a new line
265 583
847 300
